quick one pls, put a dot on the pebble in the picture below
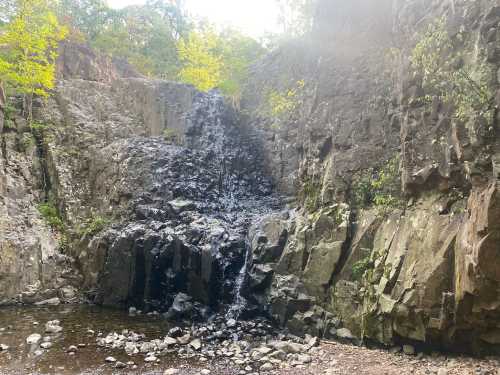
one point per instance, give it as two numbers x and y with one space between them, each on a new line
3 347
205 372
110 359
119 364
46 345
171 371
150 358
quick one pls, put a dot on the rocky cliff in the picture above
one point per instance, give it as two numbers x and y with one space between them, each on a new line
392 236
164 198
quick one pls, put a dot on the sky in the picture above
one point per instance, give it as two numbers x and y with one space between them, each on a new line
252 17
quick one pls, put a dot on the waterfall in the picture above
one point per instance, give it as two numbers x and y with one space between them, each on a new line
239 302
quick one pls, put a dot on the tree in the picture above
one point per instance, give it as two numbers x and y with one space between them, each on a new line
210 59
201 64
30 41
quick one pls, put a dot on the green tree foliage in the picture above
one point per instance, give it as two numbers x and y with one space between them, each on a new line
210 59
458 78
29 49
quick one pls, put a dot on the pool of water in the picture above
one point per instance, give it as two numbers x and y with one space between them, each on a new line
78 322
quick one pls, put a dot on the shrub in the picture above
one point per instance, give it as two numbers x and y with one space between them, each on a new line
457 78
360 267
51 215
95 225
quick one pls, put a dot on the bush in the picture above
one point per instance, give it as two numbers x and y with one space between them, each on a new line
95 225
360 267
51 215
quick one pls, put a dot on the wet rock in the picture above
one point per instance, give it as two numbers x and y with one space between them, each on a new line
34 339
175 332
49 302
53 326
46 345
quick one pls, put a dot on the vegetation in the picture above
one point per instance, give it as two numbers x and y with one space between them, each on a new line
29 49
281 105
379 188
211 60
94 225
309 194
51 215
360 267
456 78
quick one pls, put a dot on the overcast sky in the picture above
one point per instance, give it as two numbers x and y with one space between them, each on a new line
253 17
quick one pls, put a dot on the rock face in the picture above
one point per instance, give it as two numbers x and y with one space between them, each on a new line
422 267
167 194
157 184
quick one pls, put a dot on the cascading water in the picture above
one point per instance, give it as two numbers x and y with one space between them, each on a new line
239 302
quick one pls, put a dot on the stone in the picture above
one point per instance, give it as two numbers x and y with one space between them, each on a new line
184 340
171 371
150 358
304 358
195 344
408 349
72 348
231 323
205 372
345 334
50 302
34 339
46 345
3 347
110 359
120 365
267 367
53 326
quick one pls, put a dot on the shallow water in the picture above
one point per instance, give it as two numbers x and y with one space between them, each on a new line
17 323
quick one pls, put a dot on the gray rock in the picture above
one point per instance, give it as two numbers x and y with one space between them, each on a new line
345 334
46 345
53 326
171 371
110 359
195 344
408 349
34 339
49 302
